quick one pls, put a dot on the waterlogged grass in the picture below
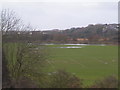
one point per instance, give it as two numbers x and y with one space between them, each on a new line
90 62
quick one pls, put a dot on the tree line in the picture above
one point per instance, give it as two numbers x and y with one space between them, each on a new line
96 34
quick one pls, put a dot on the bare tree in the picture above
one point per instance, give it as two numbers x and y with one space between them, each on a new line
20 60
9 21
12 27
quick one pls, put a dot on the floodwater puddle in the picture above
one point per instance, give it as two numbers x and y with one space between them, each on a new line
69 47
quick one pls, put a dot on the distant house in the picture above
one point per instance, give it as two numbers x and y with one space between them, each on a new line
104 39
82 39
44 33
18 32
35 32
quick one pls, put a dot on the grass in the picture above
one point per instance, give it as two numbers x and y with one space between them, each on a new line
90 63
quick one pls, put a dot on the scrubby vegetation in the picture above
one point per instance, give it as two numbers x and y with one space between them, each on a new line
108 82
23 61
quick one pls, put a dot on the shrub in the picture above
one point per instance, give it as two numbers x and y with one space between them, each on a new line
63 79
108 82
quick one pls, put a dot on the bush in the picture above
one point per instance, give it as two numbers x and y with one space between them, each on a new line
63 79
108 82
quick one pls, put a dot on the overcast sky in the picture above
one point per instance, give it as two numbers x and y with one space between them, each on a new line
51 14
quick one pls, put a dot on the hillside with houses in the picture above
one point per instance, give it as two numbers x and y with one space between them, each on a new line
92 34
